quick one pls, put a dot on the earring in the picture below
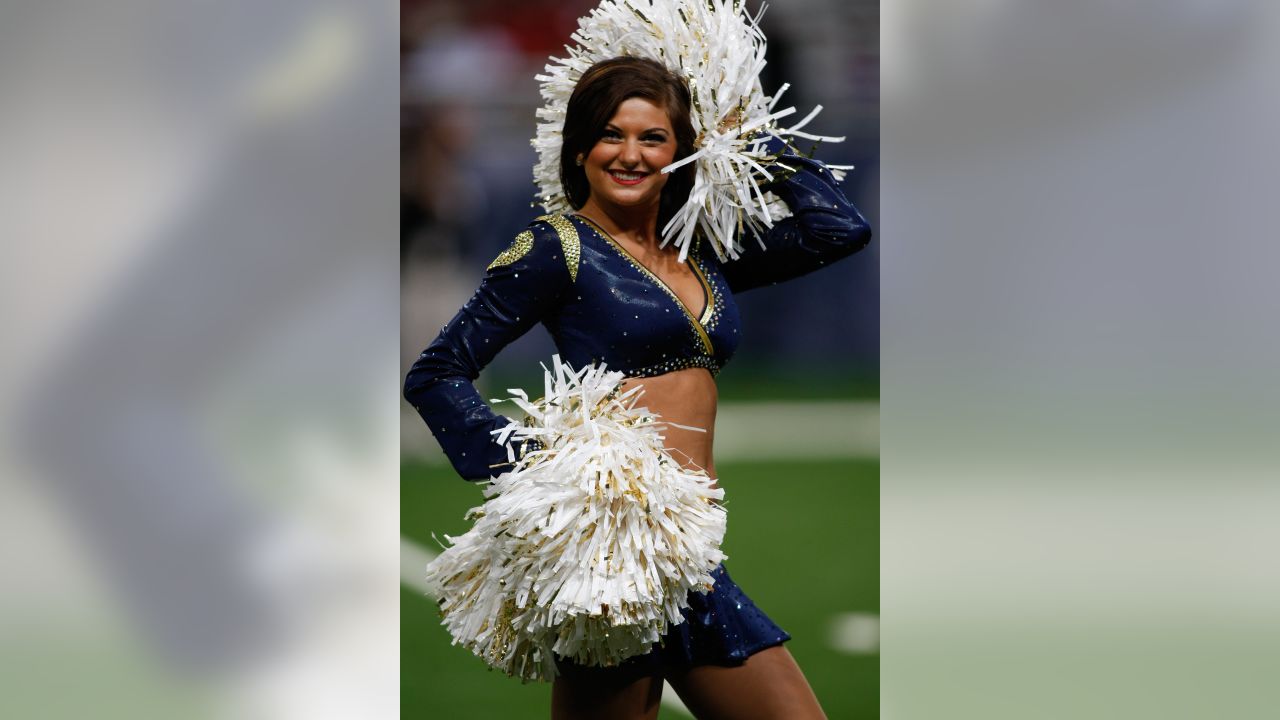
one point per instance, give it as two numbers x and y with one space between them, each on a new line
578 160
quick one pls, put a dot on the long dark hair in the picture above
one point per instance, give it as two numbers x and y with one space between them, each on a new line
595 100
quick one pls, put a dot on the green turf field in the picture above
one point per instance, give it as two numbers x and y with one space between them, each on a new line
803 542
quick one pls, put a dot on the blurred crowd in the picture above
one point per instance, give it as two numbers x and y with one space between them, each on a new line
468 101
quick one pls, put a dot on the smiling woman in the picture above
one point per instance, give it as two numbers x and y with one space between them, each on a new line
611 292
636 144
626 120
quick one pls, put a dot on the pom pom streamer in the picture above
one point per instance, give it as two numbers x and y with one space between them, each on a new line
590 546
719 49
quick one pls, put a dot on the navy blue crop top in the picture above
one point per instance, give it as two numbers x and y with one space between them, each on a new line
602 306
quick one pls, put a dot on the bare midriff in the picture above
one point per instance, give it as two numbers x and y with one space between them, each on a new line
685 397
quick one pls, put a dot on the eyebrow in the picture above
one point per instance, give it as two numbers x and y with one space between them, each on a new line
611 126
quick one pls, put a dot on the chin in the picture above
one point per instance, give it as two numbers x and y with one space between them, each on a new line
630 202
634 199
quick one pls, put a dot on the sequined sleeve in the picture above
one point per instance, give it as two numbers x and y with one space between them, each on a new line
521 287
823 228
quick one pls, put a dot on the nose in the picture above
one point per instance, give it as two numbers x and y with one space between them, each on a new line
629 155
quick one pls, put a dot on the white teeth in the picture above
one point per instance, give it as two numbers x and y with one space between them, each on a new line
627 176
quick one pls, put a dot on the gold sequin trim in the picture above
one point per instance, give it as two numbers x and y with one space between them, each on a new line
708 293
569 241
715 307
519 248
666 366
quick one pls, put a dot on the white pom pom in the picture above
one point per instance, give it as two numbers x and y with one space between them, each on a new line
718 48
589 548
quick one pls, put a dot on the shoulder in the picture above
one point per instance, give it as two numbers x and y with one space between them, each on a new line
566 235
548 243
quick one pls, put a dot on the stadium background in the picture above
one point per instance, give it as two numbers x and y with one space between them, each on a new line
798 432
199 419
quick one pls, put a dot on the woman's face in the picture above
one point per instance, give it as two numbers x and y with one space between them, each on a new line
622 168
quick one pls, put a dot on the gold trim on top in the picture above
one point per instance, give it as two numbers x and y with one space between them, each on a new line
707 294
706 290
519 248
569 242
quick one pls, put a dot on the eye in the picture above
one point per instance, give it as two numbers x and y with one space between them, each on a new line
655 138
611 135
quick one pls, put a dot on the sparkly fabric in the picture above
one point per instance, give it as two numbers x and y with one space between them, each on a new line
652 330
602 306
569 242
722 627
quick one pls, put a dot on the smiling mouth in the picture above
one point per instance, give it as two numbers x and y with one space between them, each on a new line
628 178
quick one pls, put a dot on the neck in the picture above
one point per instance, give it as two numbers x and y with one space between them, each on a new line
637 224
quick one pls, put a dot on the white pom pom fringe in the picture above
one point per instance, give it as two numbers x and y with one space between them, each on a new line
590 546
718 47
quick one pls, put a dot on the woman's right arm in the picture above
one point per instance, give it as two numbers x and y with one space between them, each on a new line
521 287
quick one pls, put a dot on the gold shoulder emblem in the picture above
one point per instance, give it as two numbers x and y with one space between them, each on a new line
523 243
569 241
519 248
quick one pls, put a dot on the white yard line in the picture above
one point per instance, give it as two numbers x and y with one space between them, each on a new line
817 430
855 633
413 565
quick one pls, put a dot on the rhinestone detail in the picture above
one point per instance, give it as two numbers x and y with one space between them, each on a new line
519 248
569 241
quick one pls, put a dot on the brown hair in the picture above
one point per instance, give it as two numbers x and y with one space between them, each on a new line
595 100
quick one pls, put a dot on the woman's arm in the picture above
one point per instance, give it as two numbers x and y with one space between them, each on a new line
522 286
824 227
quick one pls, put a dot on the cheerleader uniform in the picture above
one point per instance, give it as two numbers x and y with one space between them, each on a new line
602 306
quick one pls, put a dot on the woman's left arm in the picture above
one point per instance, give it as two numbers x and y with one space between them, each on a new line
823 228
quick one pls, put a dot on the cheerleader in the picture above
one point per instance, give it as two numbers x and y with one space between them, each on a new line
612 293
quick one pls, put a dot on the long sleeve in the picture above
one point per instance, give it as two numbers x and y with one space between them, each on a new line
823 228
523 286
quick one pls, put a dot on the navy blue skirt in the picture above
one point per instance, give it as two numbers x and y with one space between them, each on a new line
722 627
